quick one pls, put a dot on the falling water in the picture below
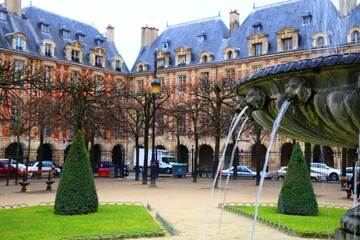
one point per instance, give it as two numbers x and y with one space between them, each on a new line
228 175
233 125
276 124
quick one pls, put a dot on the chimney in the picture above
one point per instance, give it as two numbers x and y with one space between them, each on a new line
346 7
110 33
13 6
234 21
148 35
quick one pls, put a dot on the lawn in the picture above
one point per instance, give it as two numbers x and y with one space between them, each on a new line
326 222
40 222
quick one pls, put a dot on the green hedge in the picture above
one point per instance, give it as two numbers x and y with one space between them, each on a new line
76 193
297 195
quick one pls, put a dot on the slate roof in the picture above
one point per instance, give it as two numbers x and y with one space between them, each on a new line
186 34
30 22
273 17
289 14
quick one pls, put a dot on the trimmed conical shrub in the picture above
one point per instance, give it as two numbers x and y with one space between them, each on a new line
76 193
297 195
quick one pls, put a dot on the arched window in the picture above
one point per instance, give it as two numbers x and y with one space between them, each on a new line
320 42
141 68
229 55
355 36
205 59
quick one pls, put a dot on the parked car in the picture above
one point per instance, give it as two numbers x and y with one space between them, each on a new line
13 163
349 172
333 174
110 164
4 170
314 176
243 172
46 165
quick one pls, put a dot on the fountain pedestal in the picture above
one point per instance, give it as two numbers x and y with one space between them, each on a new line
340 234
325 100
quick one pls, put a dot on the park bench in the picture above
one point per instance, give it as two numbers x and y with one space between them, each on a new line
25 183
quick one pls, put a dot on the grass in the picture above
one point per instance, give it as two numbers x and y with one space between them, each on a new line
40 222
327 220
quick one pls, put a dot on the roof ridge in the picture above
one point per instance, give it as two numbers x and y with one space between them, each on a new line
194 21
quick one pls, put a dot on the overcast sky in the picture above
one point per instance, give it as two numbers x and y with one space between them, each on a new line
127 17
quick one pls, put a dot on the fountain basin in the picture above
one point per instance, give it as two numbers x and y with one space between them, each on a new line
324 94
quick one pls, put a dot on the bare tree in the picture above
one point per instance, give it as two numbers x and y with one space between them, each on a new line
218 97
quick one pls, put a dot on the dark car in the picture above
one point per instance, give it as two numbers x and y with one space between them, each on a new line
107 165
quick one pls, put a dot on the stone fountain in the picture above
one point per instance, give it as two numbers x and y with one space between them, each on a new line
325 106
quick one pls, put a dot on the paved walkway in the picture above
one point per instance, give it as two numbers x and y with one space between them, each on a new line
190 207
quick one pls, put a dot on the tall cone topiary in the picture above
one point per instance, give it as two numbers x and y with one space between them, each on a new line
76 193
297 195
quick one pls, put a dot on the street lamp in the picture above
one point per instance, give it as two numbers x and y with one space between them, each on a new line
192 160
155 89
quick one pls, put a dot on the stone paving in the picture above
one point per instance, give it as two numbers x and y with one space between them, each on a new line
191 208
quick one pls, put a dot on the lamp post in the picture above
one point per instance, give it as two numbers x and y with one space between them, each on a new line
155 89
193 169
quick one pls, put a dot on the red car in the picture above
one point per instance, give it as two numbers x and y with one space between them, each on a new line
4 170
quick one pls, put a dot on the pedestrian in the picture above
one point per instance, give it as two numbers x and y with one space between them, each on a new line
351 185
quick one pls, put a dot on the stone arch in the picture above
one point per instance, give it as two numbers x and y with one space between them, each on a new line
326 156
286 150
47 152
117 154
183 156
14 150
262 153
206 157
97 153
228 153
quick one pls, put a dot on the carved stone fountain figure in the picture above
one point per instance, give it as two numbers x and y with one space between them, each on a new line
325 106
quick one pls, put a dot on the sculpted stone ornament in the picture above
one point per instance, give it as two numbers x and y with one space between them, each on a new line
325 107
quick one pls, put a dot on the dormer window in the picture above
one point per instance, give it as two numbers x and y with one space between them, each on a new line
2 16
320 40
287 39
97 56
257 27
161 63
81 38
99 43
19 43
229 55
99 61
201 37
355 37
166 44
118 65
99 40
182 60
141 68
257 49
45 27
205 59
306 19
258 44
48 48
183 56
75 56
66 34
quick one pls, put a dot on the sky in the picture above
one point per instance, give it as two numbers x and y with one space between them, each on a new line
127 17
